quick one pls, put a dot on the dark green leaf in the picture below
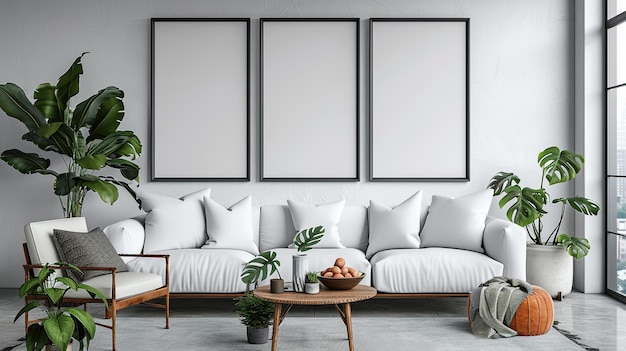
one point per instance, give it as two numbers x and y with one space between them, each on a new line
47 130
31 306
26 163
527 204
46 102
581 204
85 319
560 165
307 238
59 329
64 184
69 83
128 169
94 162
107 192
55 294
87 113
109 115
576 247
501 181
15 104
36 337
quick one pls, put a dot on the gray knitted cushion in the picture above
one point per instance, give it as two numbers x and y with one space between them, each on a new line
91 249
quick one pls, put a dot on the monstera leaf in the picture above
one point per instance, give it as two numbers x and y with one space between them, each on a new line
560 165
527 204
580 204
307 238
501 181
260 267
575 247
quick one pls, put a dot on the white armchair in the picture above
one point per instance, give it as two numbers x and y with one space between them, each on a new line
122 289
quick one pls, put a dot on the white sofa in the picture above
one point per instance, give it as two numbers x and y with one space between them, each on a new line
431 270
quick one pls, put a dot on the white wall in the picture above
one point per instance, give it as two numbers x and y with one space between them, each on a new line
521 92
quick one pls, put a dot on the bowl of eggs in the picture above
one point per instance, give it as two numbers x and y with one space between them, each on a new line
340 277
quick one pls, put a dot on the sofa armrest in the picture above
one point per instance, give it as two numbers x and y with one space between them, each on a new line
505 242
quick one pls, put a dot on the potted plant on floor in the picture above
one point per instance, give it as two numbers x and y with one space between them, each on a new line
257 315
61 323
549 259
265 264
86 137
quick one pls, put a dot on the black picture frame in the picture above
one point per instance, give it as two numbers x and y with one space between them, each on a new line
419 118
309 99
200 90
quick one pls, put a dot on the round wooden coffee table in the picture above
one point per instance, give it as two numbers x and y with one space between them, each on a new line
341 299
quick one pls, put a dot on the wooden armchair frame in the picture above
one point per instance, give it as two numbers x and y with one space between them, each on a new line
115 304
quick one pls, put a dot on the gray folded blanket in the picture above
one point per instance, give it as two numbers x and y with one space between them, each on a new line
493 305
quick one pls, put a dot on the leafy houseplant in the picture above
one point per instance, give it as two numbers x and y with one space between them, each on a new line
528 205
311 277
86 136
61 323
312 285
266 264
257 315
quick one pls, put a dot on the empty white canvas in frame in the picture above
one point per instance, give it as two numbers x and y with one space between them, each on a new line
200 121
419 100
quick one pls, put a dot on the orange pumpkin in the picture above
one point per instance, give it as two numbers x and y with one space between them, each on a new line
535 314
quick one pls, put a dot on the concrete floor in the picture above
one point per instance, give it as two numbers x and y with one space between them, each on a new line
596 319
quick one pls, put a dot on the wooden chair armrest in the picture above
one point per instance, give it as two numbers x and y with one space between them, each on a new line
39 266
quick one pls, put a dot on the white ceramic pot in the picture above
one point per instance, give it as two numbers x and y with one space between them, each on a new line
312 288
550 267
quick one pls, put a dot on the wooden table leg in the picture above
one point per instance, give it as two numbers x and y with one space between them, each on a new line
277 320
348 314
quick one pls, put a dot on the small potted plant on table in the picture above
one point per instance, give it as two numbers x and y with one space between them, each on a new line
312 285
61 323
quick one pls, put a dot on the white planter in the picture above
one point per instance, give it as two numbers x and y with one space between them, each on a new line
550 267
312 288
300 268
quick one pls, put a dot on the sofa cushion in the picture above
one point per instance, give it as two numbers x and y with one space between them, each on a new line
394 228
328 215
92 249
127 284
431 270
230 228
320 259
126 236
277 230
199 271
457 223
174 223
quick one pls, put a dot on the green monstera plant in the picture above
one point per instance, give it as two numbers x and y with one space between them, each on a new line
527 206
86 136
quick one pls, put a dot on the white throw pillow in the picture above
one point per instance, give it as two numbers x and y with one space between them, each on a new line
305 216
457 223
394 228
126 236
230 228
174 223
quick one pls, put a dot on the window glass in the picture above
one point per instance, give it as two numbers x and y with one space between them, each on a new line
616 120
616 55
616 256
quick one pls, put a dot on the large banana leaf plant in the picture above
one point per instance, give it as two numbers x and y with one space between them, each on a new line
527 206
86 136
